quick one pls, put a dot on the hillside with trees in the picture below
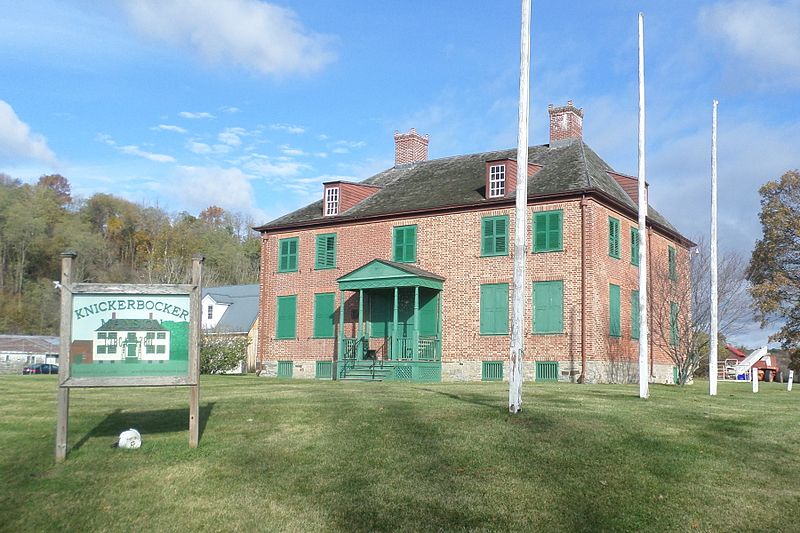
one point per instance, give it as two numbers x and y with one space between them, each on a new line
117 241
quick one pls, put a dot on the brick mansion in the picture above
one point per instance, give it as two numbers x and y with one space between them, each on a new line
407 275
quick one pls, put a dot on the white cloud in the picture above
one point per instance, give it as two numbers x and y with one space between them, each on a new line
132 149
252 34
194 115
230 188
294 152
289 128
761 33
198 147
169 127
344 147
274 167
16 140
229 109
232 136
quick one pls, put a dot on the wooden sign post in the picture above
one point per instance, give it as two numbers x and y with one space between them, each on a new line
154 342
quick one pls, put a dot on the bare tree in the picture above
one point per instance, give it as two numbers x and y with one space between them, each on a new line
681 304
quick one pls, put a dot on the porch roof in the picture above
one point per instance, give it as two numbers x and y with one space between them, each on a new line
381 274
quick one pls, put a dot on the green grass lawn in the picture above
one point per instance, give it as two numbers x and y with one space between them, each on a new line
315 456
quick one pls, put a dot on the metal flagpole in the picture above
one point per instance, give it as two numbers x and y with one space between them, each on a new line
520 224
712 354
644 328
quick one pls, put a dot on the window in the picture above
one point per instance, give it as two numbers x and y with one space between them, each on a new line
613 237
497 181
161 349
323 315
150 335
613 306
494 309
287 261
101 349
673 263
149 348
210 312
634 314
326 251
673 324
405 244
548 307
331 201
101 334
161 335
635 246
495 236
285 325
547 231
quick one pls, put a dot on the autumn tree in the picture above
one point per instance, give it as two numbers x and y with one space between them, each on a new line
774 270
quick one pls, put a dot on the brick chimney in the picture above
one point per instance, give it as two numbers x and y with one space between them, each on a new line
410 148
566 124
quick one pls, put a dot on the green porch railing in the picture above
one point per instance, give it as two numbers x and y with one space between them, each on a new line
427 349
355 348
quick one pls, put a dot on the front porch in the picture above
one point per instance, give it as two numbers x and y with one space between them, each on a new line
395 327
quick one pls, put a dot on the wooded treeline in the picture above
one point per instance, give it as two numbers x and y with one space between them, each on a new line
117 241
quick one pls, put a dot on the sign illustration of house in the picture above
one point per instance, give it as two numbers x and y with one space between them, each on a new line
131 339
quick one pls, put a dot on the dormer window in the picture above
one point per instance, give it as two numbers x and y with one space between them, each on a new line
331 201
497 181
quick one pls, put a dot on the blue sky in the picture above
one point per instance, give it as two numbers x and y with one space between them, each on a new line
252 105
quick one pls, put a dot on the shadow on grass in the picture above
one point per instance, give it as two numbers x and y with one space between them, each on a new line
146 422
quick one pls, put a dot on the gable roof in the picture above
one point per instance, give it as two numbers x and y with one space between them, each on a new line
131 324
380 273
242 310
29 344
460 181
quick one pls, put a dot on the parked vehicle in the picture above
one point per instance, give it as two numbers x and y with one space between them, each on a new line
41 368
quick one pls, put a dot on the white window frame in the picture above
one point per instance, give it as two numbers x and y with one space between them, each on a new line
497 181
210 312
331 201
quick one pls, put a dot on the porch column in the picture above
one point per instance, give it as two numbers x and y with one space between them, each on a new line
395 342
340 355
359 352
416 322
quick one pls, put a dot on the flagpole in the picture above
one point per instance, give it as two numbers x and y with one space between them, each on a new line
643 324
712 354
520 224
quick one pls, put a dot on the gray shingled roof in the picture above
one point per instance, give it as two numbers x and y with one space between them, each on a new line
461 181
29 344
242 310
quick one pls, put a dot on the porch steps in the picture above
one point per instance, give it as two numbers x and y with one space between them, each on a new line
364 371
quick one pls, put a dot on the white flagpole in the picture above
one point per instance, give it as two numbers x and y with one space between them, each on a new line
644 329
520 224
712 354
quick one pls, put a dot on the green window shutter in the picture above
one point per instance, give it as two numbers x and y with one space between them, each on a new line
405 244
613 237
548 307
673 263
673 324
326 251
287 260
324 318
614 312
634 314
286 313
494 309
547 231
494 239
634 246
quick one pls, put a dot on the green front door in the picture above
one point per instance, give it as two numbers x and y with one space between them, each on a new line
132 343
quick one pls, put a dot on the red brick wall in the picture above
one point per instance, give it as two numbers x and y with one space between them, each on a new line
450 245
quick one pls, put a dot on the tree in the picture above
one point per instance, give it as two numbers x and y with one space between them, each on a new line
681 305
774 270
59 185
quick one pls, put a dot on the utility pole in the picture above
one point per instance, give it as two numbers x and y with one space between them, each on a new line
521 216
644 373
712 354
